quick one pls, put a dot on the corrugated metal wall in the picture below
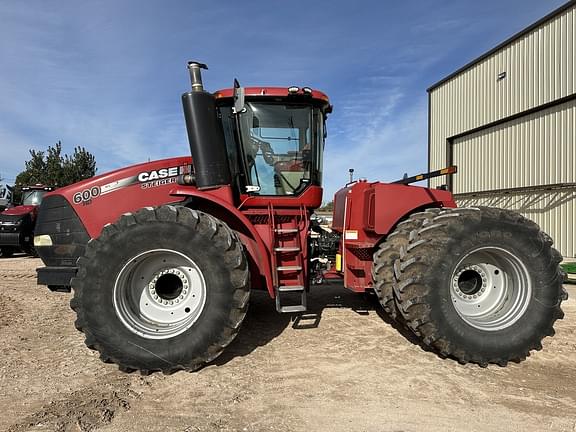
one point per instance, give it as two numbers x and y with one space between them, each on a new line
554 211
537 149
539 69
531 150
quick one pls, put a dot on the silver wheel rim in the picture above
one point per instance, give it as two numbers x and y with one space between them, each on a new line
159 294
490 288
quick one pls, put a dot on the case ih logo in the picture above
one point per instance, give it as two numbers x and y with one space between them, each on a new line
157 174
163 176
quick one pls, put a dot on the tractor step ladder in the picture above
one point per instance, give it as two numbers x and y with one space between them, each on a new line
288 264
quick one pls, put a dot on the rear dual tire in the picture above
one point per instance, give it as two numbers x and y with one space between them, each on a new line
383 265
479 285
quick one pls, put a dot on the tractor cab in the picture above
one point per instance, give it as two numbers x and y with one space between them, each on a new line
32 195
264 142
275 140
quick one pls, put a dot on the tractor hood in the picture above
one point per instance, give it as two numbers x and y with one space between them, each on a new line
148 175
104 198
19 210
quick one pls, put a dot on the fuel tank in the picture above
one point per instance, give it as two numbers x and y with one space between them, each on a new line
373 209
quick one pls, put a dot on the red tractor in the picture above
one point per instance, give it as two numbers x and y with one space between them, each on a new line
17 223
162 256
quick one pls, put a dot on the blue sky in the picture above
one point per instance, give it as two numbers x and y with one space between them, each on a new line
107 75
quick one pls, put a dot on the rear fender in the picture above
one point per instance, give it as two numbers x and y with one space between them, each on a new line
389 204
258 255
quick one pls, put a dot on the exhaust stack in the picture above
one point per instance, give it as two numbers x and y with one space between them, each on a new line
205 134
196 75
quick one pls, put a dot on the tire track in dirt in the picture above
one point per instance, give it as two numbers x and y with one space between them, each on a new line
10 309
16 274
83 410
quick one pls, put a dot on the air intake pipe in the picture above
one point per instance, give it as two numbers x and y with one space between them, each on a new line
205 133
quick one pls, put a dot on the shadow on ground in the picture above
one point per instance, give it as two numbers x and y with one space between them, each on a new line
263 324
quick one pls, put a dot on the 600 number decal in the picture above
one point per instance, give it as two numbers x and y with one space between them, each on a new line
86 196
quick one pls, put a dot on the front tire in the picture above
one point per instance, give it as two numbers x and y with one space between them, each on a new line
164 289
480 285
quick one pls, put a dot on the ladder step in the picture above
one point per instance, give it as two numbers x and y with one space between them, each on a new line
288 288
287 249
289 268
288 309
286 230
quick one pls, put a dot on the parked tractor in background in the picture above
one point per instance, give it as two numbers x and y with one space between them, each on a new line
162 256
17 223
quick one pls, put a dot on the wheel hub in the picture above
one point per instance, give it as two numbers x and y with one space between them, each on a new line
490 288
168 287
159 294
470 282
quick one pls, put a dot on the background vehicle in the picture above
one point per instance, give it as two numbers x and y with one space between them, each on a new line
162 256
5 196
17 223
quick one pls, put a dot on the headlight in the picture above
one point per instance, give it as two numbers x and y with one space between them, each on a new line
42 240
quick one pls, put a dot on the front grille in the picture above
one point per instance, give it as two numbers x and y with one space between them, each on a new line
9 239
57 218
15 230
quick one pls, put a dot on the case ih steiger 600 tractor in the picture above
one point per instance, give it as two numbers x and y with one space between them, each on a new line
162 256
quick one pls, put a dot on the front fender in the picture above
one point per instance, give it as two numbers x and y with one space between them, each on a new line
215 203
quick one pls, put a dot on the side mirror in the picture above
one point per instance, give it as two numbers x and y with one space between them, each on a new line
238 97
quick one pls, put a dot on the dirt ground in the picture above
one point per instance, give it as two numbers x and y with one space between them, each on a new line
346 370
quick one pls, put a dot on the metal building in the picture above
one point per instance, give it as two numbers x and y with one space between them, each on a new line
507 120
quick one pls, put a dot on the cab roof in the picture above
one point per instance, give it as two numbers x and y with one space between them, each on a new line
37 187
275 92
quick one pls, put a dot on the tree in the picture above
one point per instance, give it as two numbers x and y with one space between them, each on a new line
81 165
328 207
51 168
